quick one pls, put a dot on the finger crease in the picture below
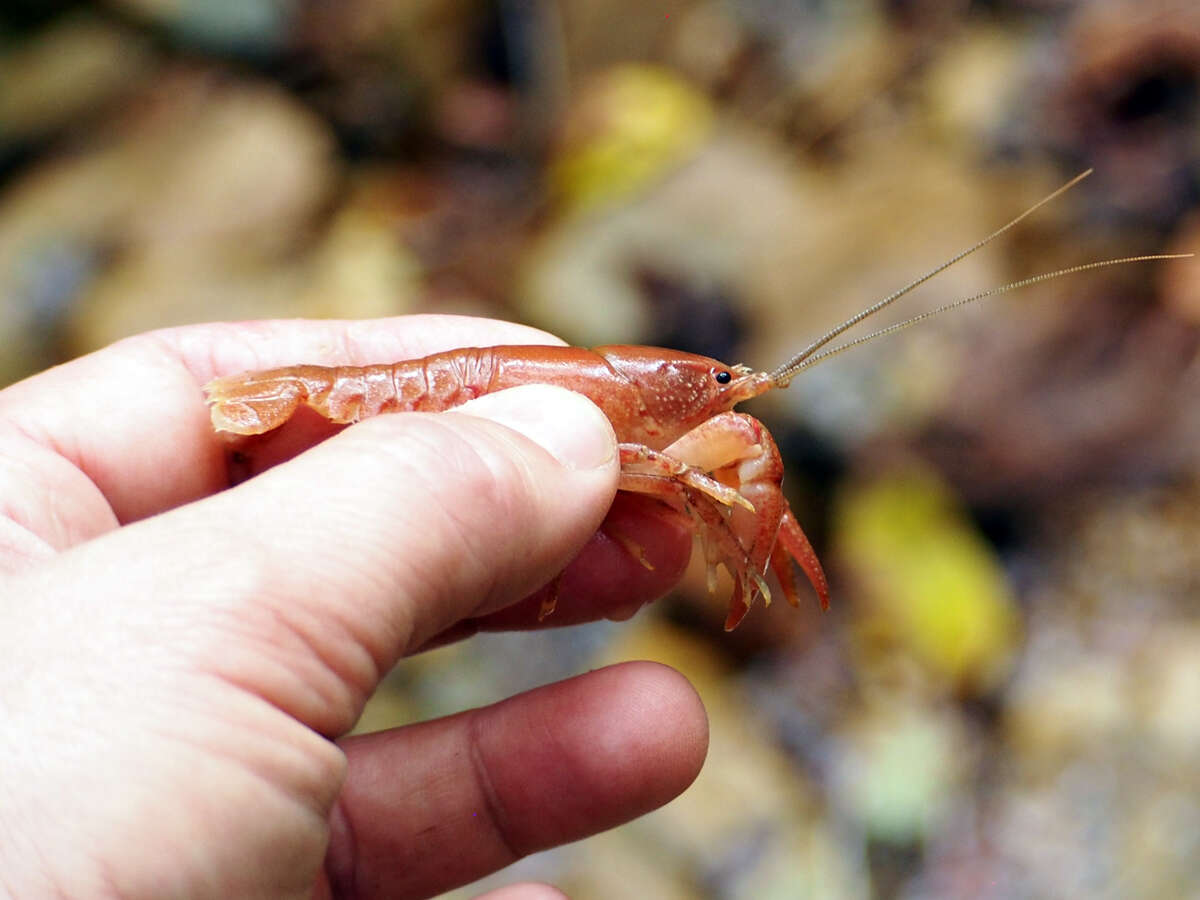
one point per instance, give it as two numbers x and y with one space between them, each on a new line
341 859
493 808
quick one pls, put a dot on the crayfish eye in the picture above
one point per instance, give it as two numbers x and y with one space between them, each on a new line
723 377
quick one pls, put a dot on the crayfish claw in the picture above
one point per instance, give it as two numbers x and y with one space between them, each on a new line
737 612
781 565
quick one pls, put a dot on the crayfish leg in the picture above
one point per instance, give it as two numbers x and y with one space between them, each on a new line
640 459
550 600
710 520
629 545
726 474
738 450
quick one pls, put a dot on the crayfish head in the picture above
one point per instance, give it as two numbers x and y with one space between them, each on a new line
680 390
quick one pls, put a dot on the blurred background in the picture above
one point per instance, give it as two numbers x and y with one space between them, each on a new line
1005 699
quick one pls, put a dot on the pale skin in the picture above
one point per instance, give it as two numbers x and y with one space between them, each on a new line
180 660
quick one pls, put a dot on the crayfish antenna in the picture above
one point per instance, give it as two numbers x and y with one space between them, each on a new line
992 292
809 356
784 374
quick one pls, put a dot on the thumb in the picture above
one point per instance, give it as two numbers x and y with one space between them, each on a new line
306 583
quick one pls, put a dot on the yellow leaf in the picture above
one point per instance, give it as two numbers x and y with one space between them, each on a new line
931 582
627 129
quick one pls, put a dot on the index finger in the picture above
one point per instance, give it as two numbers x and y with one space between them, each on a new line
132 417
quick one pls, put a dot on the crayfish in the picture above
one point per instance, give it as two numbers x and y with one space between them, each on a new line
680 440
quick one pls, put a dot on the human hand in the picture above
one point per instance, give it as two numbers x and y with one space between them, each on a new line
180 662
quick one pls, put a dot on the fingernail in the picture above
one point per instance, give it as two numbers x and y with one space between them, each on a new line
566 425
